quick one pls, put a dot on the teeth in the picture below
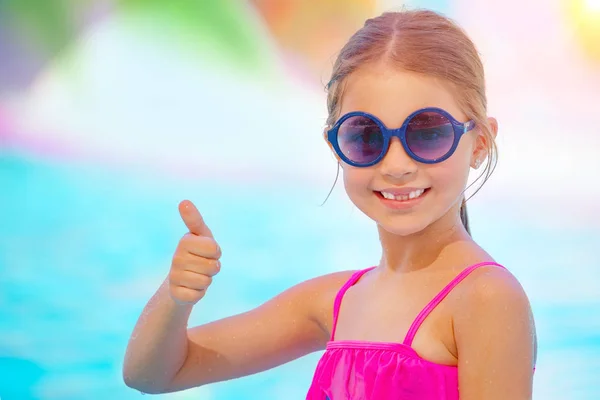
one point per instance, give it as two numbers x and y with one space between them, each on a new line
412 195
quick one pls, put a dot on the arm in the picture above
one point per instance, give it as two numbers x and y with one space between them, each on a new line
285 328
495 338
163 356
158 345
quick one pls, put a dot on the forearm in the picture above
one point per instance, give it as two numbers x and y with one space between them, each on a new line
158 345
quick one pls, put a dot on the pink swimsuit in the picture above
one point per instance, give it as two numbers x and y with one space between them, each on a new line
363 370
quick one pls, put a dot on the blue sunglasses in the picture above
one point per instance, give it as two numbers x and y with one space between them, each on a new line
429 136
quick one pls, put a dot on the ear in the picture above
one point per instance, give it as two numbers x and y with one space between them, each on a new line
330 146
482 143
493 126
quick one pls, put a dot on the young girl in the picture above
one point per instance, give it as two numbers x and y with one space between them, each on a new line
437 318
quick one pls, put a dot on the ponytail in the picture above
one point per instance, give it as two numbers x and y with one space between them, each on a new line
464 217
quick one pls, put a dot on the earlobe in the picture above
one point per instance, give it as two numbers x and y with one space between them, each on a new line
493 126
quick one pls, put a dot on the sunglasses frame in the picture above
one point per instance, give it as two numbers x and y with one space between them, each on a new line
460 129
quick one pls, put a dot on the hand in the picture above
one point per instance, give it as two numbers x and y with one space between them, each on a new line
196 259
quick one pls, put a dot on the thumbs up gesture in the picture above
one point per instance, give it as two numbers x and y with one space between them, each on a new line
196 259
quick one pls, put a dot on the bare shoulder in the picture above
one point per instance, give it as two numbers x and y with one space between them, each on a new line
322 290
492 299
489 284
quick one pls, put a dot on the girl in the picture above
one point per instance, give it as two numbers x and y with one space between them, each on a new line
437 318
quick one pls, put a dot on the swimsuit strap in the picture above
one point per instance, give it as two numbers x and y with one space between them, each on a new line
338 298
438 299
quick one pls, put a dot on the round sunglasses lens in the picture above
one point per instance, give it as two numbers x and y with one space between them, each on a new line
360 139
430 135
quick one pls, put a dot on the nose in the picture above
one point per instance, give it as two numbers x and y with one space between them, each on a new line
396 162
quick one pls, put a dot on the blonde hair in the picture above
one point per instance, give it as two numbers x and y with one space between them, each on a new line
423 42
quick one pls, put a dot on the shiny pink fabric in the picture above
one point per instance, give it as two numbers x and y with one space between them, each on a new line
361 370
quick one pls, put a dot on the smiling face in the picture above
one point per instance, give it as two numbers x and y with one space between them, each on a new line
392 95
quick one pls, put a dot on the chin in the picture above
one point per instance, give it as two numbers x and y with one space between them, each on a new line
403 228
400 224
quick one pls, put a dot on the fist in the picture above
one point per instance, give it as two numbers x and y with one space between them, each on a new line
196 259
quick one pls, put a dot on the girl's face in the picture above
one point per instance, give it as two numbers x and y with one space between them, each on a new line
392 95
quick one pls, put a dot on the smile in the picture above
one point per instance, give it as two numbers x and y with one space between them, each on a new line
403 197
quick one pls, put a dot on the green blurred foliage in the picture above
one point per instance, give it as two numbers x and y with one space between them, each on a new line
47 24
223 26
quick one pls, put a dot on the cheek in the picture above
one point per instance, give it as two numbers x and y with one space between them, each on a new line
356 180
451 174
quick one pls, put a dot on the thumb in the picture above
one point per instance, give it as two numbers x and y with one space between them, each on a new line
193 220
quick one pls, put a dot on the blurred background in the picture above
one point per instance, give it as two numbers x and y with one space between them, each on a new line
112 111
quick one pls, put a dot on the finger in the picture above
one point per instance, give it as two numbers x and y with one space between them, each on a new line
185 296
193 219
195 264
191 280
201 246
198 265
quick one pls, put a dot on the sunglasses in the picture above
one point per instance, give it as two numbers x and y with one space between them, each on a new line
429 136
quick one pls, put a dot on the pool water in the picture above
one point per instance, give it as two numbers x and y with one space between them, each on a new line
82 248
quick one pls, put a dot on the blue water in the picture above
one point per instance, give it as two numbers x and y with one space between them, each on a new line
82 249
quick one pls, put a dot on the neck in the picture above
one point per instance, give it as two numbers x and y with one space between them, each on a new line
422 249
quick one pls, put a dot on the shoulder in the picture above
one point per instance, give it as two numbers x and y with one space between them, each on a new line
492 284
492 304
310 296
318 295
323 285
323 289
